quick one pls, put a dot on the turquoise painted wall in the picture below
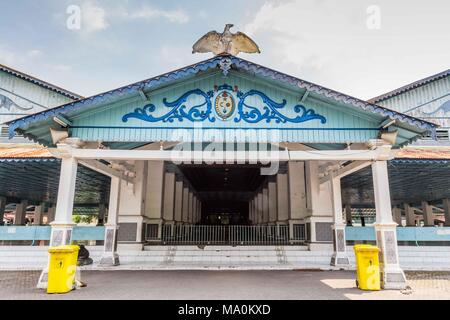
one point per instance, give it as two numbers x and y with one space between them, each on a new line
29 97
342 123
430 102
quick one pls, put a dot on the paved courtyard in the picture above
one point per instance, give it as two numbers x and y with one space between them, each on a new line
258 285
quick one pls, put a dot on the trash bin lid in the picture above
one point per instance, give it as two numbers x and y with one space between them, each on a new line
66 249
365 247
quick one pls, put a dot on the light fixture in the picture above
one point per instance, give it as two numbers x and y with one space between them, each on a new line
63 122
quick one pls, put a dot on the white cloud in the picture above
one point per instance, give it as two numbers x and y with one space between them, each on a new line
6 56
328 42
93 17
34 53
149 13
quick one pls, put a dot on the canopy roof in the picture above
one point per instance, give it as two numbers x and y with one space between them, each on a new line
342 118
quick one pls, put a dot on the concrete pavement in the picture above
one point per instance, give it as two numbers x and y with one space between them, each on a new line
241 285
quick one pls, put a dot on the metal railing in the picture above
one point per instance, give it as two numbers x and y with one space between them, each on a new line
224 235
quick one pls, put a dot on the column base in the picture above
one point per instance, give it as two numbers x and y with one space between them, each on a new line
340 259
61 234
392 276
109 260
393 280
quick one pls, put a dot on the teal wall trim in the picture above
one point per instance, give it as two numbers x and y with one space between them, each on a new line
403 234
35 233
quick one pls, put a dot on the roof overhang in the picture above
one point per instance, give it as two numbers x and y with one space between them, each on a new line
36 126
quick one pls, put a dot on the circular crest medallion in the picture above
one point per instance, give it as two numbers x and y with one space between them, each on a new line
225 105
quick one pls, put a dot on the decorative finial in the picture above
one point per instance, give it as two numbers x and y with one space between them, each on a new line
225 43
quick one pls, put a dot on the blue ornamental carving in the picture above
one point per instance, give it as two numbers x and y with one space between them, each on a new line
224 107
271 110
179 109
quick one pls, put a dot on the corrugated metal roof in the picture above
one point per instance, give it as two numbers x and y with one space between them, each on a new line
410 86
40 82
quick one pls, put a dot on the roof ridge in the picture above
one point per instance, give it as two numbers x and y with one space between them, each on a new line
410 86
40 82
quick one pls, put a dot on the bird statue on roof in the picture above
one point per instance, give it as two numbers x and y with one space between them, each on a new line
225 43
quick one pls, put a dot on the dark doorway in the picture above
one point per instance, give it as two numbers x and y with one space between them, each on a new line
225 191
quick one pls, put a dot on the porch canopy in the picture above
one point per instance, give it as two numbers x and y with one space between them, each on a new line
228 100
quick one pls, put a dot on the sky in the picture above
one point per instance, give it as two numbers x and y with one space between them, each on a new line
358 47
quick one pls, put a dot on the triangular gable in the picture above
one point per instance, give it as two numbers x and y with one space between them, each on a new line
279 101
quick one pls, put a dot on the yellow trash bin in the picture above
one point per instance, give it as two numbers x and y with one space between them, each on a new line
62 268
367 267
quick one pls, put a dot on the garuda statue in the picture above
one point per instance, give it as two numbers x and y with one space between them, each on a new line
225 43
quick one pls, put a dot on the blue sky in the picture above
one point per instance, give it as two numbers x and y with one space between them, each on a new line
337 44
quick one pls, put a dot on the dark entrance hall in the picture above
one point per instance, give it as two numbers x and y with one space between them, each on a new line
225 191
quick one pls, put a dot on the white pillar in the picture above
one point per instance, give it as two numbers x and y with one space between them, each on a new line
273 208
297 190
38 211
101 214
410 215
51 213
397 215
446 203
259 206
190 207
348 215
282 198
62 226
169 197
428 215
265 195
386 229
178 201
110 256
340 257
2 209
20 215
185 215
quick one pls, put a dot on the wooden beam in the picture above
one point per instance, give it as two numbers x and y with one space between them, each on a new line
346 170
104 169
262 156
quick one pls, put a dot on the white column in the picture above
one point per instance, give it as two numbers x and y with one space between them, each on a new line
62 226
386 230
110 256
155 188
190 207
397 215
428 215
51 213
20 215
265 195
282 198
348 215
38 211
259 206
340 257
273 208
445 202
179 201
169 197
297 190
410 215
101 214
185 215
